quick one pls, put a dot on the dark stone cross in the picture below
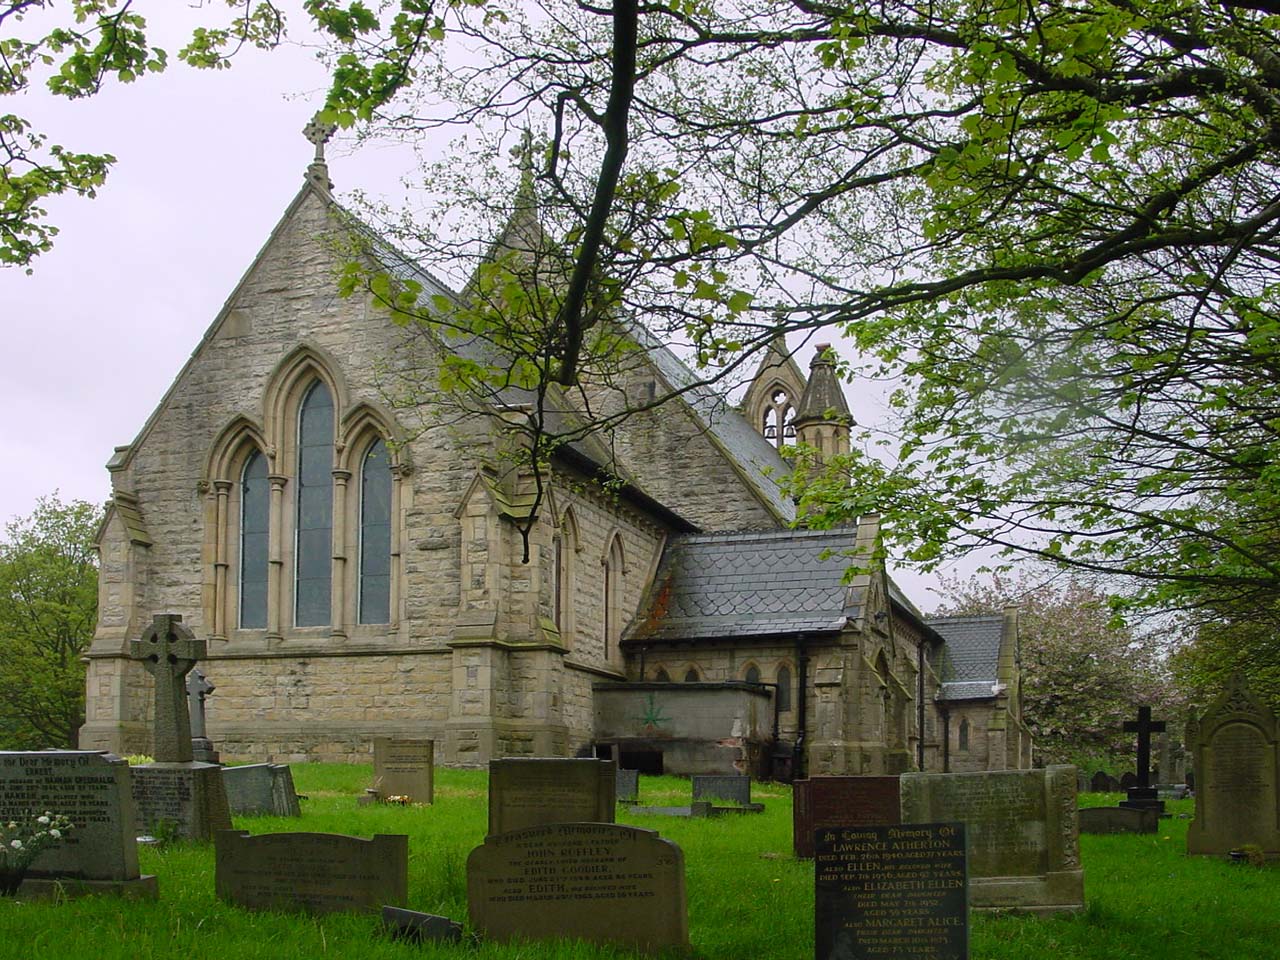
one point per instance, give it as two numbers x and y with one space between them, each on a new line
1144 727
197 689
168 651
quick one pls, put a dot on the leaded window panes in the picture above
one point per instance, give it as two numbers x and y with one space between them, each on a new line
375 536
784 689
314 544
255 509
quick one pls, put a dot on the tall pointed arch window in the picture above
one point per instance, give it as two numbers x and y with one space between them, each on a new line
962 739
778 421
375 536
255 514
313 554
613 598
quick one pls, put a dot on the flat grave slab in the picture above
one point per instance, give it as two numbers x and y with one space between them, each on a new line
601 882
891 891
311 872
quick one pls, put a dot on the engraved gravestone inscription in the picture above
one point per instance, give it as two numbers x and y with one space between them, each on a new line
530 792
891 891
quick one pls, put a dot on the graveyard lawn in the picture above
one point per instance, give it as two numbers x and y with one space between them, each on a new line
748 898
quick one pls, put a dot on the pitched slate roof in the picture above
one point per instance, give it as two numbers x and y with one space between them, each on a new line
971 668
760 463
749 584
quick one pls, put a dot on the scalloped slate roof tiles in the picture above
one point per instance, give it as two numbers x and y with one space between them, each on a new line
971 667
750 584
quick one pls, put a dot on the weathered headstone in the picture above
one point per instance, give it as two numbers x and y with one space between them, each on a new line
92 788
1021 831
1128 781
311 872
261 788
822 802
175 794
731 789
1118 820
1104 782
534 791
1143 794
627 787
404 769
891 891
198 688
601 882
1236 748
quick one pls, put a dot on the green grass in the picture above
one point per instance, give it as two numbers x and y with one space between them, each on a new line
748 900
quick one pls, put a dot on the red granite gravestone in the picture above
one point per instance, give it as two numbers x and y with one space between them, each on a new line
840 802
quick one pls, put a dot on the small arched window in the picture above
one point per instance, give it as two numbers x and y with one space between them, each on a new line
662 676
691 675
255 512
313 554
784 689
963 739
753 674
375 536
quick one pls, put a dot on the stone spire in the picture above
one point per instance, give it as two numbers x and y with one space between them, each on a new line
823 420
319 133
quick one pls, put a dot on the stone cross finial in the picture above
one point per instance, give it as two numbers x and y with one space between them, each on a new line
319 133
1144 727
168 651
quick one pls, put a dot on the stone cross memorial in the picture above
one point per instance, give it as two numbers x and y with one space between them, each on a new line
891 891
198 688
312 872
1143 795
1236 745
403 768
92 788
175 793
840 802
1021 833
530 792
600 882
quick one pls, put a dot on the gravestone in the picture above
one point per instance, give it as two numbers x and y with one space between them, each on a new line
1128 781
1021 832
891 891
1236 745
821 802
627 786
92 788
732 789
1118 820
1143 793
1104 782
198 688
261 788
175 794
600 882
534 791
311 872
403 768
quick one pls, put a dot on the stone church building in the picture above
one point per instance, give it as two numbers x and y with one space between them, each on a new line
357 570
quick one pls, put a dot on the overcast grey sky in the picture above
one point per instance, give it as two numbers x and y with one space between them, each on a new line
206 164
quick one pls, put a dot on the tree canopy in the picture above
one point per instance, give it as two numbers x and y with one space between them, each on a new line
72 51
1053 224
48 611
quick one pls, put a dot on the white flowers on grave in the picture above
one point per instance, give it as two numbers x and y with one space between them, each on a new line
23 841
